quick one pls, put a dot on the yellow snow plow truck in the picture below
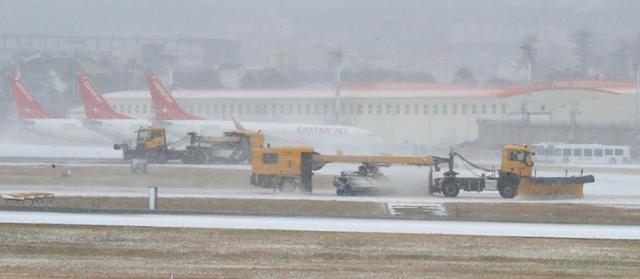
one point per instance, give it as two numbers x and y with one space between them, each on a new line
232 147
290 168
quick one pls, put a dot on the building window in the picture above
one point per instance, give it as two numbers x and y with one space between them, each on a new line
144 109
316 109
308 109
379 109
207 109
352 110
326 109
223 109
343 109
504 108
444 109
484 109
290 109
425 109
542 107
494 109
249 109
231 109
299 109
369 108
474 109
239 109
397 109
129 109
359 107
407 109
388 109
464 108
454 108
274 109
435 109
215 109
199 109
191 109
416 109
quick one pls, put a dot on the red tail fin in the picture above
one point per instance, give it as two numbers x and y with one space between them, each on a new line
95 106
28 107
165 105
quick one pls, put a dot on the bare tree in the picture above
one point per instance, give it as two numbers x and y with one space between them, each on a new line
528 50
619 59
635 50
583 42
464 76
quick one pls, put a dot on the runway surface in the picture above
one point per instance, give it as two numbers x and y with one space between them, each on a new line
329 225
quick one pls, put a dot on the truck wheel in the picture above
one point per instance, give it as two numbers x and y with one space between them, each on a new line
508 192
157 158
508 186
345 191
200 157
450 188
287 186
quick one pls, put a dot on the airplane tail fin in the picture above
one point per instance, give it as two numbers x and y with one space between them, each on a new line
28 107
237 124
95 106
165 106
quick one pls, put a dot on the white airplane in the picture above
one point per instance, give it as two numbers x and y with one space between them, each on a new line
324 138
35 119
101 117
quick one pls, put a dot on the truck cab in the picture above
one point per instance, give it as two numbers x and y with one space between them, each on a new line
518 160
151 138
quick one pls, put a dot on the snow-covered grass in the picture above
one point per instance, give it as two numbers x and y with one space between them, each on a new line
330 224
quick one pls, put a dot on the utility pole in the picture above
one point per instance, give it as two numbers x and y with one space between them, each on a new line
525 102
637 99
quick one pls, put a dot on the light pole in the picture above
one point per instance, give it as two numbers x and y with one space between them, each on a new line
637 99
337 55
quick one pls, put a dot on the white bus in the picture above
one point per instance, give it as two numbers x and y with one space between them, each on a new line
567 153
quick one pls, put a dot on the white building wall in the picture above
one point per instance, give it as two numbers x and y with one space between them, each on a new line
431 121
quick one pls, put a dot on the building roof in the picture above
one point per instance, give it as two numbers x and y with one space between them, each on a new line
392 90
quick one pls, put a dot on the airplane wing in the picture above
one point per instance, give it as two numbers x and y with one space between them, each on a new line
161 123
25 122
91 123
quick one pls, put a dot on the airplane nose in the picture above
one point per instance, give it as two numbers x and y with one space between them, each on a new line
378 141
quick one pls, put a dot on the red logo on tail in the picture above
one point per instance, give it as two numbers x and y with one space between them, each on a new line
28 107
165 106
95 106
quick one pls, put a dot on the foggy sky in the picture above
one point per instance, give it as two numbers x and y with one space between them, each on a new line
479 33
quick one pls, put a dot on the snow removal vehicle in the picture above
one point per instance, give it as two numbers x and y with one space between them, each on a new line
231 148
288 168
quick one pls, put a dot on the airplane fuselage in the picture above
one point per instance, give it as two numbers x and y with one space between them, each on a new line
63 131
118 130
324 138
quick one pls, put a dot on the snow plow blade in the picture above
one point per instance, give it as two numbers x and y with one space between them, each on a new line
553 187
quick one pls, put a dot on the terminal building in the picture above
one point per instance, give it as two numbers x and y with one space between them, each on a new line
422 115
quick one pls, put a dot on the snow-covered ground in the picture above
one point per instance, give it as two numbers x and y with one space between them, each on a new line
621 188
58 151
330 224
